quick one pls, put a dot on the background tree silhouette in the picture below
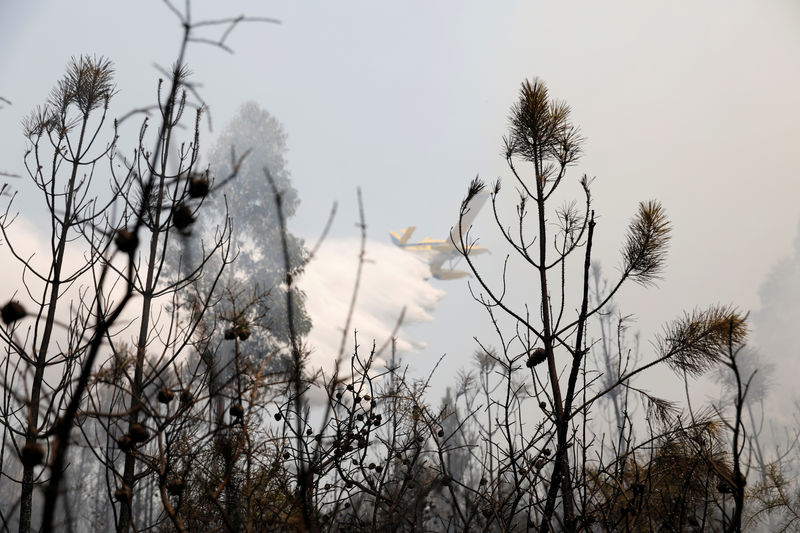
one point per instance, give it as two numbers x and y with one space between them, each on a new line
256 229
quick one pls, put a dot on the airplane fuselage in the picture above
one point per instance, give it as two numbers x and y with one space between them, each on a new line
439 246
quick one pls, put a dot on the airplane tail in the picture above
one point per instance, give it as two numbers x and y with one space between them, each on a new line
401 240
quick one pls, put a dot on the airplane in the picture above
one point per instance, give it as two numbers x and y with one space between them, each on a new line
437 252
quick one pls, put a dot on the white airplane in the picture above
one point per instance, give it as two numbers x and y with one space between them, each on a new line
437 252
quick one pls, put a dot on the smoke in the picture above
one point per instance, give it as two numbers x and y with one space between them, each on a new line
392 280
394 284
775 322
29 244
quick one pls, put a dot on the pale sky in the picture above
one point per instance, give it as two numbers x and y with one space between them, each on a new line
691 103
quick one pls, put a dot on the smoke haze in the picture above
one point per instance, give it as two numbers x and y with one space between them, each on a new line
392 280
774 324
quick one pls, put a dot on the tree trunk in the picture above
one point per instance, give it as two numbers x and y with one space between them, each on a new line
54 285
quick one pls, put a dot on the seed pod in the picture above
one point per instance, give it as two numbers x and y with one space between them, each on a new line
440 433
12 312
138 433
32 454
125 443
230 334
182 216
278 417
187 398
165 395
175 486
198 186
537 356
122 494
483 481
244 333
236 410
126 241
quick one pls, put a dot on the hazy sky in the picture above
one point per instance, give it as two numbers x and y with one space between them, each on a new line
692 103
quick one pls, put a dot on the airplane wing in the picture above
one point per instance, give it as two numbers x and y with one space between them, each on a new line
437 262
473 209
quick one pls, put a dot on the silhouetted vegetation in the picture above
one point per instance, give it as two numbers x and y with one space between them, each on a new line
155 373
